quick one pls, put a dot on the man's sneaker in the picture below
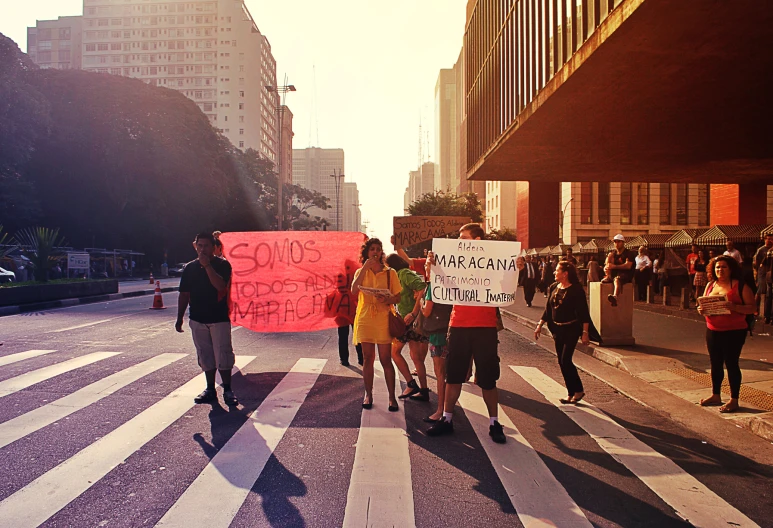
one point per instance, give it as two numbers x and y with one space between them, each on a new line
441 428
207 396
229 398
496 433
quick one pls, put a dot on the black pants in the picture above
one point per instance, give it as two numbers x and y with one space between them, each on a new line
642 281
529 287
565 338
343 345
725 350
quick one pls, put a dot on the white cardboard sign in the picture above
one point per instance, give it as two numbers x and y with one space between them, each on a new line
474 272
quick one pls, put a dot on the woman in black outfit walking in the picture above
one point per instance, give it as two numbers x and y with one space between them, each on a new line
568 319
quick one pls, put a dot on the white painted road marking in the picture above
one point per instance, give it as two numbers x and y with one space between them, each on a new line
230 475
32 421
21 356
68 480
23 381
380 490
92 323
691 500
538 498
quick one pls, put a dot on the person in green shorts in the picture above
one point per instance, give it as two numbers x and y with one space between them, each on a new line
436 325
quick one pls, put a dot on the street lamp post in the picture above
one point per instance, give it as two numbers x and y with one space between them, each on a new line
280 110
338 176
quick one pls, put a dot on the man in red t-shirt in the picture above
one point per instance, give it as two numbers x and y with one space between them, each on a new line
472 334
692 258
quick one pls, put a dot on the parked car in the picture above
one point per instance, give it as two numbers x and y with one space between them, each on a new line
177 271
7 276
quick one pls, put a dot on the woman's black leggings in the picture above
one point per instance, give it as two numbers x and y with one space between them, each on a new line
725 351
565 339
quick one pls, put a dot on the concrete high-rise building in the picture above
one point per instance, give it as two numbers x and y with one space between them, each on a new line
286 144
211 51
447 125
56 43
313 168
500 205
420 182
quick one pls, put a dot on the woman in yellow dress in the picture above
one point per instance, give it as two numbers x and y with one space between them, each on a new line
371 324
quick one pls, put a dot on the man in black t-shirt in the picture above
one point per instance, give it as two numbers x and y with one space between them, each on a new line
204 285
620 267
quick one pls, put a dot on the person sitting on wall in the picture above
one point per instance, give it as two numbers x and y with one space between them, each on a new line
619 267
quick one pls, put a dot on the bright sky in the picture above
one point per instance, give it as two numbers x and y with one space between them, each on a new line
376 66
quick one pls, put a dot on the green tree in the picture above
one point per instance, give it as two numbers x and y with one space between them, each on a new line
505 234
441 203
40 245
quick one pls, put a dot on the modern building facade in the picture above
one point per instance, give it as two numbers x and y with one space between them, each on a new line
447 125
56 43
286 145
420 182
313 168
500 205
210 51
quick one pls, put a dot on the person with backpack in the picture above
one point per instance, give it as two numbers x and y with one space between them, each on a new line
436 318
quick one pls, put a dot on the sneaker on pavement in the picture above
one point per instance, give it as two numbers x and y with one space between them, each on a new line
441 428
207 395
496 433
229 398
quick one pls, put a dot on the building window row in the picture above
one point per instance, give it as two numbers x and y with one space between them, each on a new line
673 203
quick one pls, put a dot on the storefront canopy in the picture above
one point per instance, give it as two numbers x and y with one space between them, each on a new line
740 234
601 245
533 251
767 231
577 248
651 241
684 238
559 249
544 252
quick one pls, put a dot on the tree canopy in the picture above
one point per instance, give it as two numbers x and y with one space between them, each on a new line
441 203
116 163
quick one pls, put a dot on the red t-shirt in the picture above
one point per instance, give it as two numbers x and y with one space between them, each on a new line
418 266
732 321
473 317
692 258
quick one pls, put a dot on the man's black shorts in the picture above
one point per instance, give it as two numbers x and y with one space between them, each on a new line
479 344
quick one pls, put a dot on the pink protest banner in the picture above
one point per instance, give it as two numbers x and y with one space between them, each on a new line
292 281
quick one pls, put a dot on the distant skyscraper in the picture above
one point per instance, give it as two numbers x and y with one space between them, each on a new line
312 169
56 43
447 125
210 51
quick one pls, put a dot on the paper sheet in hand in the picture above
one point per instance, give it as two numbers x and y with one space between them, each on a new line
375 291
714 305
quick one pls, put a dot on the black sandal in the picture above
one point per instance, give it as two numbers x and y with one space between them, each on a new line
393 408
414 390
423 395
368 405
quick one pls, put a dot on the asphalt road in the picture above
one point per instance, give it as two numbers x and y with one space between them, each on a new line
98 428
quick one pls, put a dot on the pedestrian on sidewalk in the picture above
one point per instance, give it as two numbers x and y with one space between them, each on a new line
691 259
594 270
472 335
436 319
411 284
344 308
763 259
371 324
701 279
643 273
568 319
726 334
529 276
204 286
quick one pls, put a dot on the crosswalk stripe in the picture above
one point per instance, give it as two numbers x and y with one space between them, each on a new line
229 476
380 490
21 356
68 480
25 380
691 500
538 498
32 421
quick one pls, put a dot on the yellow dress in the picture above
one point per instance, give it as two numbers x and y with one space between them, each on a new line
371 324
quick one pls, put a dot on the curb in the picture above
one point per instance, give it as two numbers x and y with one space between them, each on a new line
64 303
762 427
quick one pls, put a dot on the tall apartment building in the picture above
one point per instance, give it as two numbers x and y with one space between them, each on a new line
447 125
286 144
211 51
420 182
56 43
313 168
500 205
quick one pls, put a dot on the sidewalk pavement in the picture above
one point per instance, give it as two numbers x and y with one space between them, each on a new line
128 288
670 354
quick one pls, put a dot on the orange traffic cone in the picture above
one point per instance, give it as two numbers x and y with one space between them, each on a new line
152 280
158 300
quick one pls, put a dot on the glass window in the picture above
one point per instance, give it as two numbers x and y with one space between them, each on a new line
603 202
704 204
681 203
642 203
665 203
626 202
